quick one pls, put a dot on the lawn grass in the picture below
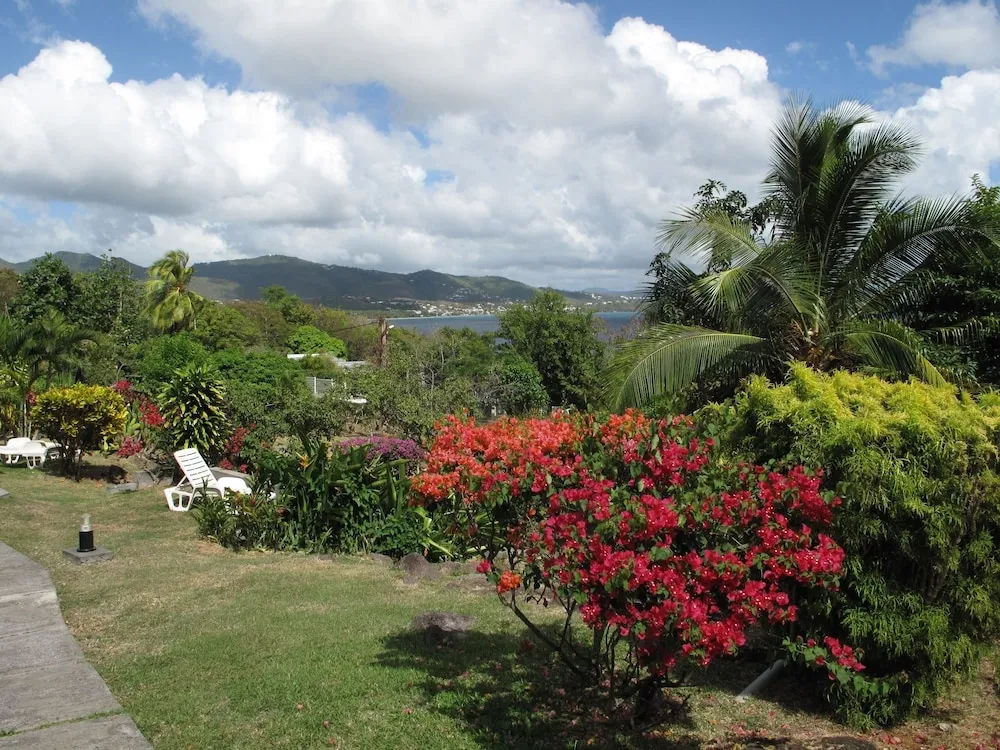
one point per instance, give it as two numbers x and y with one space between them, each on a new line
206 648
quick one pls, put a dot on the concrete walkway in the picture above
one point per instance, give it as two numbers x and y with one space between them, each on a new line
50 697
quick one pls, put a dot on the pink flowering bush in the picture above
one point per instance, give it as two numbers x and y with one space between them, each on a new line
638 529
386 447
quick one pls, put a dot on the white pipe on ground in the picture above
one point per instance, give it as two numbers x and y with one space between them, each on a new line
762 681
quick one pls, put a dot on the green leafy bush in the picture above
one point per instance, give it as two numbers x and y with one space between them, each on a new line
80 418
515 387
160 357
338 500
239 522
311 340
192 405
920 521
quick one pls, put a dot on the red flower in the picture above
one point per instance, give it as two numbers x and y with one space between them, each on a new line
508 582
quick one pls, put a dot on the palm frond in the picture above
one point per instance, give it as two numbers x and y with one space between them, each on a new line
667 358
892 348
851 192
713 238
775 285
906 236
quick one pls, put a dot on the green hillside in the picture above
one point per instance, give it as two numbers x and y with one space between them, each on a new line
339 286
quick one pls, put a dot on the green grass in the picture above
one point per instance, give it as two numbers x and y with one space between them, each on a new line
206 648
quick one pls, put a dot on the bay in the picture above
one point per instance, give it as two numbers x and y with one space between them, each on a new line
614 322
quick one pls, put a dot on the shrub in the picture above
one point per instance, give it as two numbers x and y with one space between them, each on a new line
239 522
143 431
192 408
80 418
667 553
920 523
335 500
386 448
310 340
515 387
260 389
162 356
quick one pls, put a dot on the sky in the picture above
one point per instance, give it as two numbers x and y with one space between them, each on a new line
541 140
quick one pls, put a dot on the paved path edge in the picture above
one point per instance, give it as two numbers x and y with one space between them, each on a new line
50 696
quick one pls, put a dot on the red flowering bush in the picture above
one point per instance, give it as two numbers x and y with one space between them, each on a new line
131 446
144 423
231 458
664 552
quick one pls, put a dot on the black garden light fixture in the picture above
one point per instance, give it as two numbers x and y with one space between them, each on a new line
86 551
86 535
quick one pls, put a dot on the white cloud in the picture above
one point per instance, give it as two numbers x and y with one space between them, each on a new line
960 124
964 34
548 149
546 185
794 48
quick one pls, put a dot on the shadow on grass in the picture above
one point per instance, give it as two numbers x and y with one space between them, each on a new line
510 694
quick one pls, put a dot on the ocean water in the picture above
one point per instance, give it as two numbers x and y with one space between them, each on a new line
614 322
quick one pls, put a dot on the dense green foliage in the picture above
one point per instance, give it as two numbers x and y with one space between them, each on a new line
193 407
161 356
338 500
915 466
561 343
44 350
80 418
47 285
961 314
308 339
823 274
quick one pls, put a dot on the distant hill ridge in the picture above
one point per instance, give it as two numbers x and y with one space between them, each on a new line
339 286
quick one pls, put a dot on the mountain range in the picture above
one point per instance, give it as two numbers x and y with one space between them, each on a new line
335 286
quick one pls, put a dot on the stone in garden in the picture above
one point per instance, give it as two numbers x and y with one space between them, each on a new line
100 554
457 568
416 566
115 489
831 743
442 628
475 582
944 726
145 479
383 560
3 493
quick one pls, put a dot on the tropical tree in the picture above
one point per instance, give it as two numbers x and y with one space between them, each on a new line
49 346
48 285
53 345
563 345
965 296
827 282
171 305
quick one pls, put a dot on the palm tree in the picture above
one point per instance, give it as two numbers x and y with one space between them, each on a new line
53 344
16 376
828 282
46 346
172 306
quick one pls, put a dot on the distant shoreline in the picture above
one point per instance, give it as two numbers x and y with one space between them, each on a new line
487 323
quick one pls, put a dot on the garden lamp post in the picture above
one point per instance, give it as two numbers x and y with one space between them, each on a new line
86 535
86 551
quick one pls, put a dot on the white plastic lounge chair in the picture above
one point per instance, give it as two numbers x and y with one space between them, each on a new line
197 474
11 451
34 452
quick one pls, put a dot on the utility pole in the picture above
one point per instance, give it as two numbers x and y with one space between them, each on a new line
383 341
